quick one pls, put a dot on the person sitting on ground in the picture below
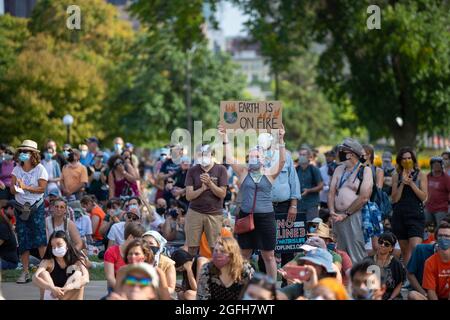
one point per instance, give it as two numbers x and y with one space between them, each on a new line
319 264
62 272
393 268
8 245
114 255
224 277
59 221
428 237
84 226
140 282
174 226
115 234
190 268
329 289
96 214
114 214
416 266
436 276
138 251
259 287
157 243
366 284
8 212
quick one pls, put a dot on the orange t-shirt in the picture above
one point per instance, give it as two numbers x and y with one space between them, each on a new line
205 249
436 276
97 211
430 239
73 176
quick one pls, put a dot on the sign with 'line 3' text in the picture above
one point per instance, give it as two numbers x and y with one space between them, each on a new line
245 115
290 235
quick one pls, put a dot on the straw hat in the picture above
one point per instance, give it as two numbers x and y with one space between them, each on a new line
29 145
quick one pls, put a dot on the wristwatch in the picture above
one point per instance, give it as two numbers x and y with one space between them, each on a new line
348 214
295 207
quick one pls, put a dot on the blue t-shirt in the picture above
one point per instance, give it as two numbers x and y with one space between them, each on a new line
307 182
416 264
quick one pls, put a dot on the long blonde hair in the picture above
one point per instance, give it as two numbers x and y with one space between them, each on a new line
231 247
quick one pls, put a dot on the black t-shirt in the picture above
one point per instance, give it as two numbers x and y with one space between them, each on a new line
8 249
60 159
180 178
169 165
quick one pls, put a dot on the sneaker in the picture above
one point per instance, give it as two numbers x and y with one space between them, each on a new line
24 277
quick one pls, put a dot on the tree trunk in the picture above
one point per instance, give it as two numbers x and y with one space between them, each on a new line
405 136
188 92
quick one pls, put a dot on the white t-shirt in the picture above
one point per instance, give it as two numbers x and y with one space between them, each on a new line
48 165
116 233
84 225
158 221
326 183
30 179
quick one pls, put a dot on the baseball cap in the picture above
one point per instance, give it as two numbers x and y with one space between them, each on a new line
165 151
53 192
386 155
353 146
92 139
317 220
319 257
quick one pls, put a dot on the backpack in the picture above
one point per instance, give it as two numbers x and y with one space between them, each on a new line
380 197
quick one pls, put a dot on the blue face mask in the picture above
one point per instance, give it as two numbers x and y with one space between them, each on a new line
48 156
312 229
23 157
443 243
66 153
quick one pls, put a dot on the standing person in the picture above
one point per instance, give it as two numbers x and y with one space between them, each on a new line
96 214
59 221
310 183
375 216
285 189
98 178
388 172
350 190
118 146
122 178
93 150
115 255
53 276
51 144
409 191
437 205
74 177
129 147
446 161
84 150
53 170
179 190
326 171
436 276
7 165
28 183
225 276
206 185
393 269
256 185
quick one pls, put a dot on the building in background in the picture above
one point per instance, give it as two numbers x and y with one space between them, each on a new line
17 8
215 37
247 54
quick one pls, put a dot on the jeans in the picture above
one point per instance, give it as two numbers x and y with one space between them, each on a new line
7 265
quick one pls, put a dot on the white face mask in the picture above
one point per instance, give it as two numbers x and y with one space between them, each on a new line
84 153
60 251
205 161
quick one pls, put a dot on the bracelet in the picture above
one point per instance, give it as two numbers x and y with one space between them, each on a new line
295 207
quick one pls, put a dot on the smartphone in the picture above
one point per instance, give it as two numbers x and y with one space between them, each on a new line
296 272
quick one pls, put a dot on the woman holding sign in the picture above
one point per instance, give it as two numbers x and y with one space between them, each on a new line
255 223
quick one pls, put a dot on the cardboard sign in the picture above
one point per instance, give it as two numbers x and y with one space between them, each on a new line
290 236
257 115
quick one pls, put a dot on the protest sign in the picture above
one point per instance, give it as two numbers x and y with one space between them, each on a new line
257 115
290 236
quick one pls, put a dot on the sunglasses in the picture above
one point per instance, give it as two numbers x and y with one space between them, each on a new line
133 281
384 243
169 181
132 217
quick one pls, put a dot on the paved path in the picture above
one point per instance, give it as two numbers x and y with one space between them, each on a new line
12 291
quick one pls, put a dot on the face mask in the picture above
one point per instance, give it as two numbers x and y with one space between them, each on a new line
161 211
303 160
7 157
117 212
443 243
331 246
118 147
220 260
247 297
366 295
59 252
154 249
84 153
66 154
205 161
342 156
312 229
23 157
163 158
48 156
407 164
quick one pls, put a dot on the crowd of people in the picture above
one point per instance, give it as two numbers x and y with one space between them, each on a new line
202 228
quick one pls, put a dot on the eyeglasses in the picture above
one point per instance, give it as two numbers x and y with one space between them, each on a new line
133 281
384 243
132 217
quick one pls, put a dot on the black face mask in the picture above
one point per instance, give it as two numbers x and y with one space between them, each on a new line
161 211
154 249
342 156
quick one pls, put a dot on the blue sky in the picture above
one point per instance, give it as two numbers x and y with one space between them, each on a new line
233 20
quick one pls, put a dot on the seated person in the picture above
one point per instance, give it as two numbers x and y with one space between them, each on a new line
365 284
8 245
173 228
260 287
96 214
